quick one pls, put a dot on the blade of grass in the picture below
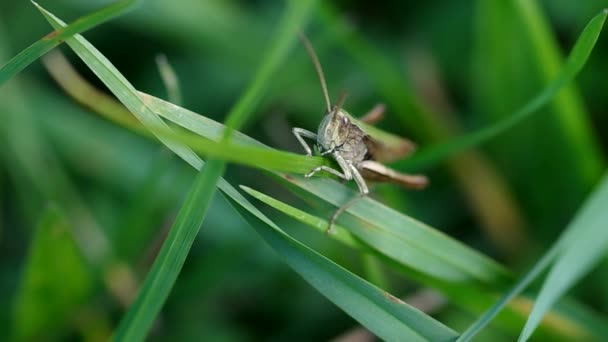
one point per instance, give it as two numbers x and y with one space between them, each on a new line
170 79
51 40
159 281
469 296
568 106
243 150
574 64
582 246
385 315
338 232
581 243
127 94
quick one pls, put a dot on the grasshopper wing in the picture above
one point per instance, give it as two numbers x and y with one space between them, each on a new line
375 171
397 148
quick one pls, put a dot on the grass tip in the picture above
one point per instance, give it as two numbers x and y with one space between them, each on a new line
245 188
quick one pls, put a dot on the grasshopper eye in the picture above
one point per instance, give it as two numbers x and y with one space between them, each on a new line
345 120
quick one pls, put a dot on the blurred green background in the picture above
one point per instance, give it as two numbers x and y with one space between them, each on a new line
442 68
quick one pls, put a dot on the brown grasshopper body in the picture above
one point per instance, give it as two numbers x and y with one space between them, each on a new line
356 152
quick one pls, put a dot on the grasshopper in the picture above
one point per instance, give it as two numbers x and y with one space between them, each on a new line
358 155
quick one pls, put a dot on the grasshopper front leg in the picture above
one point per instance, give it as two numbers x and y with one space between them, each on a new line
300 134
363 189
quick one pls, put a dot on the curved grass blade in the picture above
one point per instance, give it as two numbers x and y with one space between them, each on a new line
51 40
581 247
573 249
241 149
574 64
450 259
386 316
562 323
160 279
127 95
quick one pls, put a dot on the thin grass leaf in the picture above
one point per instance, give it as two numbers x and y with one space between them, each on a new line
519 287
241 149
127 94
170 79
574 64
51 40
573 249
160 279
338 232
385 315
562 322
583 245
569 108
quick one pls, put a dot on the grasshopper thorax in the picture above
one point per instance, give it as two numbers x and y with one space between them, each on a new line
334 129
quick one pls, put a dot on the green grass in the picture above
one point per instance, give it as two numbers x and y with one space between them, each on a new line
144 273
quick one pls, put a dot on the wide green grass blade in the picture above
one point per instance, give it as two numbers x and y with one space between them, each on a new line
582 246
469 296
383 314
51 40
428 250
56 280
574 64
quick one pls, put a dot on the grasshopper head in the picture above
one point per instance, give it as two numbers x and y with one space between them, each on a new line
333 130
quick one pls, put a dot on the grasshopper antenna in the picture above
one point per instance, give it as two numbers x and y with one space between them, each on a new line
338 105
341 100
315 62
